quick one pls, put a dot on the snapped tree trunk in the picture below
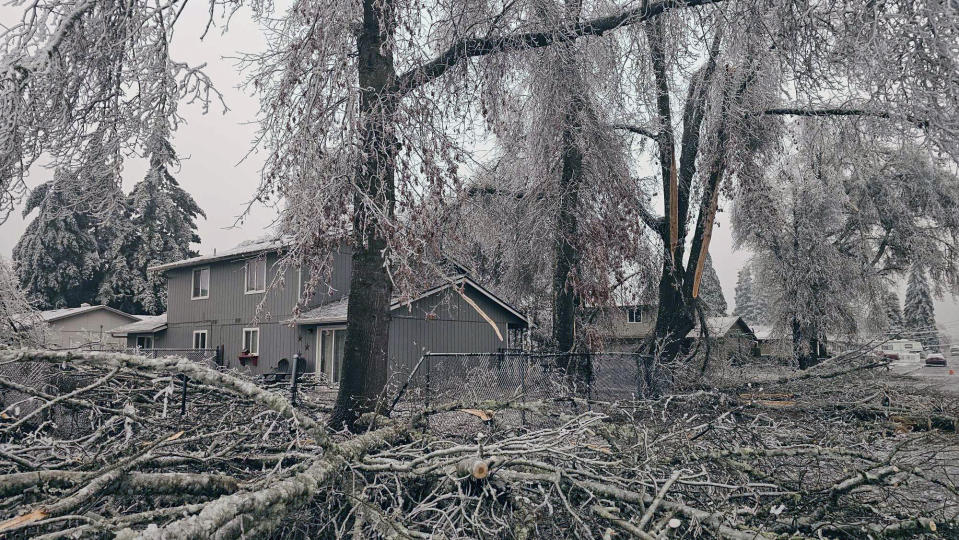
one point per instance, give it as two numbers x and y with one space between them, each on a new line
365 355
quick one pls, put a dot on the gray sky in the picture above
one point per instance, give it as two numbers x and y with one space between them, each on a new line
211 147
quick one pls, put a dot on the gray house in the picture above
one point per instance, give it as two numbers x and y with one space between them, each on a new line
212 302
84 327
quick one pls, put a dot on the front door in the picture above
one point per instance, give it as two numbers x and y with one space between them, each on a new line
329 347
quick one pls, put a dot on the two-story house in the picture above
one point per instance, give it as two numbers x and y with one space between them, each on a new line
213 299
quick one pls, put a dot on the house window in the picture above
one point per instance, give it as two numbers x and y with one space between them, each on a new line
199 339
255 275
634 315
251 341
330 348
201 283
144 342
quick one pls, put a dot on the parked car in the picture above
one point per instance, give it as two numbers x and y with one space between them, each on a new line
935 359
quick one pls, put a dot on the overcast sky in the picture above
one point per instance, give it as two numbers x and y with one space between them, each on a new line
212 146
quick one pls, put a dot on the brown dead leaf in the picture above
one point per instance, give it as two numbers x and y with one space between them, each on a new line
35 515
485 416
175 436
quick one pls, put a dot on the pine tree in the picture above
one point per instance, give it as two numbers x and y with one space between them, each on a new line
745 300
711 291
57 259
895 322
918 312
162 225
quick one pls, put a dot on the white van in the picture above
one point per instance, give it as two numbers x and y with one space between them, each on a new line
907 351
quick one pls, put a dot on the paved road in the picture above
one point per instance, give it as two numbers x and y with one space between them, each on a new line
945 378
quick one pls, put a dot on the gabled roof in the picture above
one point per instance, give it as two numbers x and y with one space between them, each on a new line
336 312
52 315
148 324
720 326
243 249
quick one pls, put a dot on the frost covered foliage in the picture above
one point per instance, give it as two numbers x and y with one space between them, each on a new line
894 321
711 291
919 313
58 259
832 228
749 297
80 77
20 322
79 250
158 226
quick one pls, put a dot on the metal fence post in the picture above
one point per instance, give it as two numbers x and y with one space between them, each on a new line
523 366
429 369
294 378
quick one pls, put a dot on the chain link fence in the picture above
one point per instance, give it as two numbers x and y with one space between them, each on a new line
207 357
523 377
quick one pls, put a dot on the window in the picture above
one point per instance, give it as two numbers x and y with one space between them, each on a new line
251 341
144 342
255 275
330 345
634 315
199 339
201 283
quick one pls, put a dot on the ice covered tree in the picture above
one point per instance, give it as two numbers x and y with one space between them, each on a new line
20 323
158 225
57 260
895 323
918 312
745 299
711 292
832 229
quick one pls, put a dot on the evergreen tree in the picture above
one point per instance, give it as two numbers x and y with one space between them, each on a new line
918 312
895 322
160 228
745 300
711 291
56 259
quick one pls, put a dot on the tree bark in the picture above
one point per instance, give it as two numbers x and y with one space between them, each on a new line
567 253
365 357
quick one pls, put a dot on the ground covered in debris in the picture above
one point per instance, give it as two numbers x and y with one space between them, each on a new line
93 445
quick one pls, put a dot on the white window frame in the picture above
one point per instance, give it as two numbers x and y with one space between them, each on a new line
246 275
209 279
206 339
144 338
320 365
243 341
631 313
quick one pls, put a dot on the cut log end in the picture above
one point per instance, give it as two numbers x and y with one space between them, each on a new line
475 467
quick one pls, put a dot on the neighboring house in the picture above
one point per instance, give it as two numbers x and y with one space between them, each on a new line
145 333
85 327
627 326
213 301
728 336
772 342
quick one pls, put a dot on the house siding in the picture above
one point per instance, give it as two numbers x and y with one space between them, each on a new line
86 328
453 327
442 322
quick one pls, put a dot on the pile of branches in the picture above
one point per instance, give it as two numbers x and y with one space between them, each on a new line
93 445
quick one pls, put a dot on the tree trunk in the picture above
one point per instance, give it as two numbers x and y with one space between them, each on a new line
802 347
365 356
674 319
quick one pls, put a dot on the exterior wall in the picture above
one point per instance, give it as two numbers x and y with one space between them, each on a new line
441 323
624 336
228 310
92 327
445 323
